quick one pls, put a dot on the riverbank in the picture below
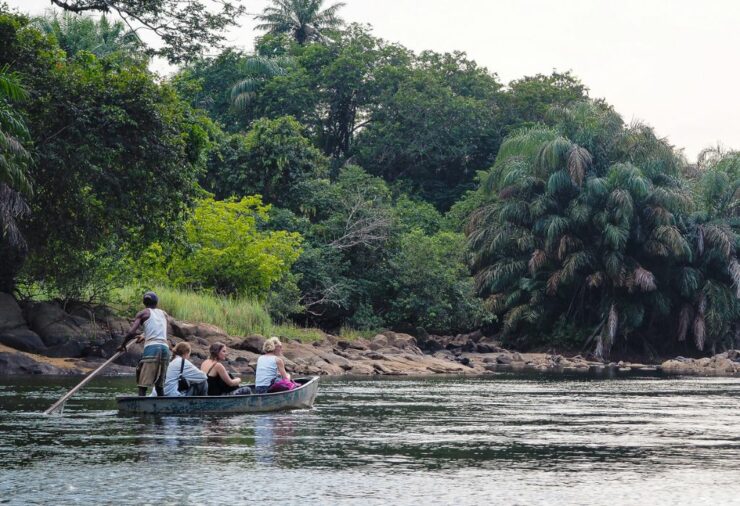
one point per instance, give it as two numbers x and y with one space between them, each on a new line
386 354
45 339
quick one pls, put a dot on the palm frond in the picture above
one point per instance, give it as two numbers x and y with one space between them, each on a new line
553 156
524 144
553 282
644 279
734 270
555 228
595 280
559 182
672 238
597 189
537 260
621 205
495 303
684 319
579 162
614 266
659 216
514 316
503 274
10 88
12 208
515 211
579 212
700 331
612 323
721 237
629 177
615 236
701 303
689 280
575 263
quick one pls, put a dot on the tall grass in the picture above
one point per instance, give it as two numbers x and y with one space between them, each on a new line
238 317
292 331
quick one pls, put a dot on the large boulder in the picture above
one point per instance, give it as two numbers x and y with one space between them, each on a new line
20 363
404 342
22 339
11 315
192 332
13 329
252 343
378 342
65 335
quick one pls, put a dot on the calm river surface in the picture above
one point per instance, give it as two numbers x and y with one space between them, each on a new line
445 440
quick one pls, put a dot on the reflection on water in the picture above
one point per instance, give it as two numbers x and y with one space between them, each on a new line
442 440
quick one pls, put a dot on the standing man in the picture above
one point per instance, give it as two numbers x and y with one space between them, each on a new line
152 367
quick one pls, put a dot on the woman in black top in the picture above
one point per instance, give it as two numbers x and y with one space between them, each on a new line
219 380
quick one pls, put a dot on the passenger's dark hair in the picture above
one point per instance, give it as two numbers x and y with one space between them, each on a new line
215 349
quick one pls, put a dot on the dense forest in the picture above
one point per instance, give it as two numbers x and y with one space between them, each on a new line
343 180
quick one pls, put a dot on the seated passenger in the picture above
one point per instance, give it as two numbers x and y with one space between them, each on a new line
270 367
221 382
181 366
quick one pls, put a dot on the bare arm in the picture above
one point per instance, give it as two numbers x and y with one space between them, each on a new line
170 321
281 368
221 370
140 318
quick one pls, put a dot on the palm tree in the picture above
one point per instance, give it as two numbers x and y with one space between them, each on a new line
75 33
257 70
712 312
592 237
14 178
14 158
302 19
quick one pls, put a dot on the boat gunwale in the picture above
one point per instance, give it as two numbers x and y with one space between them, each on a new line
311 380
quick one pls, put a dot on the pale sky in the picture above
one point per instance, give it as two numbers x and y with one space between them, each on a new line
669 63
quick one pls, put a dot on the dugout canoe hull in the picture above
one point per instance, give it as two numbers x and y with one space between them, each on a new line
299 398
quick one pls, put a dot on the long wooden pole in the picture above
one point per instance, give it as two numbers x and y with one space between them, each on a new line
60 403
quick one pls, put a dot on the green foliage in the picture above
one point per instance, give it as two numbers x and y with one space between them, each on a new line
529 99
75 33
14 136
596 239
225 251
206 83
256 70
271 160
418 215
435 122
186 29
15 160
118 164
304 20
431 287
582 224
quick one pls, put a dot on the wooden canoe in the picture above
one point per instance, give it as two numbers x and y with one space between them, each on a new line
298 398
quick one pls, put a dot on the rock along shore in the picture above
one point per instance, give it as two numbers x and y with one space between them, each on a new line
44 338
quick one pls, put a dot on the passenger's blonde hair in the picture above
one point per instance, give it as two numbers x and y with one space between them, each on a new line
271 344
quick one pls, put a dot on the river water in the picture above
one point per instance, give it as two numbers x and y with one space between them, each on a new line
502 439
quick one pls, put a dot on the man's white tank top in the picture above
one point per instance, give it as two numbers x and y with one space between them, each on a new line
155 328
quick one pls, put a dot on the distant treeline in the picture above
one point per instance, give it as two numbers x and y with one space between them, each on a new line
345 180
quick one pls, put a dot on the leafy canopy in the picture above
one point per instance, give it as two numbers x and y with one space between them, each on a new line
186 29
304 20
226 251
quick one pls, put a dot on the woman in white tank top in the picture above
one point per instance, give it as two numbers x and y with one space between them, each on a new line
270 366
